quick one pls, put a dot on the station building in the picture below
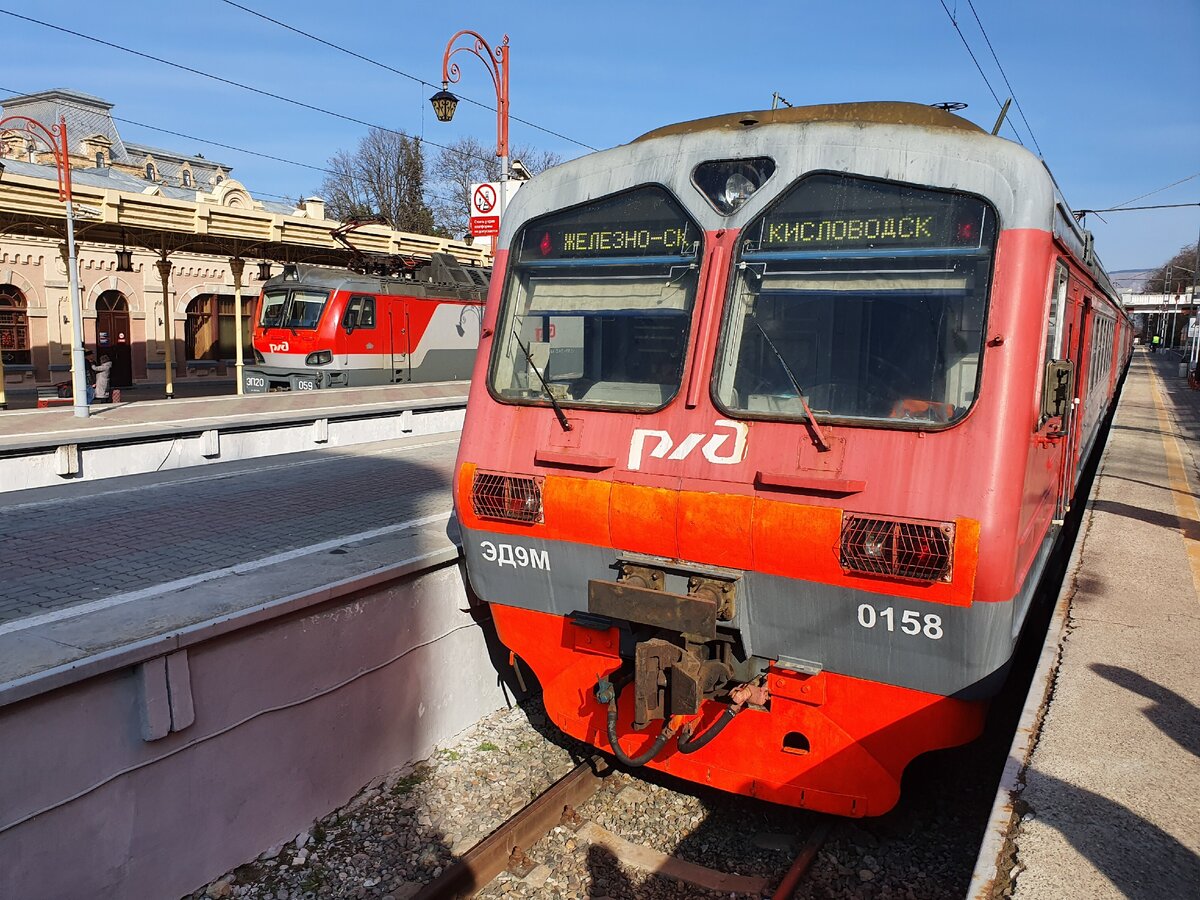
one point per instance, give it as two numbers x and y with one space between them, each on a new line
159 205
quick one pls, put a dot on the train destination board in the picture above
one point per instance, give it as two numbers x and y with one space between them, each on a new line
839 212
646 222
946 226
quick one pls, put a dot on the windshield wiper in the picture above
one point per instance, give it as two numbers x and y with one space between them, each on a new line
562 419
818 434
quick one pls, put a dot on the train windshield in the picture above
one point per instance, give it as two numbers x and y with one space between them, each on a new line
868 298
598 304
296 308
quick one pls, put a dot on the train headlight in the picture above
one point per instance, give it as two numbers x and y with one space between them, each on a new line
320 358
728 183
897 548
738 189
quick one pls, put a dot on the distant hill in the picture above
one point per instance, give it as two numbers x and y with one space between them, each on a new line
1131 279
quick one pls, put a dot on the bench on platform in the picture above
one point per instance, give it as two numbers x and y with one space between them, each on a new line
202 366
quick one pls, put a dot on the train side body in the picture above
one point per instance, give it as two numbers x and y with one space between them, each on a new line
317 329
725 489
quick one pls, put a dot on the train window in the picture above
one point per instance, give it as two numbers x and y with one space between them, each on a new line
298 308
360 313
598 304
866 297
1057 303
272 308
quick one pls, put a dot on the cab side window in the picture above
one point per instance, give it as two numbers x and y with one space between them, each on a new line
1057 309
360 313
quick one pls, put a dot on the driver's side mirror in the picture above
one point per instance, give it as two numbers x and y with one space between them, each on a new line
1058 389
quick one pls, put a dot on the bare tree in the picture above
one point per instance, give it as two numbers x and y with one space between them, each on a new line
1180 267
385 177
465 162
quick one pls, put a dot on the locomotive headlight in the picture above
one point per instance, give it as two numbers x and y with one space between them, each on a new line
320 358
738 189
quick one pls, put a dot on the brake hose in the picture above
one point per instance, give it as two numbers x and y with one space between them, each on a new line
687 745
606 694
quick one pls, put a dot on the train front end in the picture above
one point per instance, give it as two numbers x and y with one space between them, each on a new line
727 473
295 335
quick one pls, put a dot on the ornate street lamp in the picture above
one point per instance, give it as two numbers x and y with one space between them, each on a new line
496 61
444 104
124 257
56 137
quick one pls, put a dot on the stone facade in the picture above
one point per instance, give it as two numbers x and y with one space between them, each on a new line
125 189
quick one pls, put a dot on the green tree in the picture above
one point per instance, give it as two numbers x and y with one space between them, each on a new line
384 176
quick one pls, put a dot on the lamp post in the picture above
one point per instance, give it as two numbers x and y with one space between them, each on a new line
496 61
1174 302
164 273
56 137
237 266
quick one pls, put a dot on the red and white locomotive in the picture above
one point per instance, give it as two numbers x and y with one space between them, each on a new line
319 328
777 421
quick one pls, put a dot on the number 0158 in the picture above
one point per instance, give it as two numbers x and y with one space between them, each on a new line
907 621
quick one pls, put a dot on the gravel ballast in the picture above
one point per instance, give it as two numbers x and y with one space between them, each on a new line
405 828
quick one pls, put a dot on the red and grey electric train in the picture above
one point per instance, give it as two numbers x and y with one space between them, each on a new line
318 328
777 420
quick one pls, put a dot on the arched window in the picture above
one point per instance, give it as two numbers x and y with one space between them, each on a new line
187 178
14 327
112 301
150 171
99 159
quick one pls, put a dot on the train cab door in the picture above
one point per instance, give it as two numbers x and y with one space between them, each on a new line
399 342
1074 341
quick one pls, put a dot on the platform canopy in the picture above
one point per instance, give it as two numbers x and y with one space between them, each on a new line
223 223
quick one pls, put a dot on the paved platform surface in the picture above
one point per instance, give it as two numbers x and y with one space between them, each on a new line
1112 793
91 568
26 428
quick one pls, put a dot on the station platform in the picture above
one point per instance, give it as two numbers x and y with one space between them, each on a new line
30 428
104 574
1105 804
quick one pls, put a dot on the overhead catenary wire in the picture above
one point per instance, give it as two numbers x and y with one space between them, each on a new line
208 141
394 70
982 74
1004 75
238 84
1155 191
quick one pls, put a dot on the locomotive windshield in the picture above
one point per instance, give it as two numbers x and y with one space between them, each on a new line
598 304
297 308
866 297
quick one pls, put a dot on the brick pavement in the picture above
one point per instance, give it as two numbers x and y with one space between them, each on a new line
69 550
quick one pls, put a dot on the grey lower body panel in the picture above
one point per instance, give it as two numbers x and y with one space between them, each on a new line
960 651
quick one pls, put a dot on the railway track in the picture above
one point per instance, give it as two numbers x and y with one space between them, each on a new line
506 847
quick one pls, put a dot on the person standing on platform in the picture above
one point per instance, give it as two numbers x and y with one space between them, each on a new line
89 374
1154 342
103 371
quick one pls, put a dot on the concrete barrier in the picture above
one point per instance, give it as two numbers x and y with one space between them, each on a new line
153 778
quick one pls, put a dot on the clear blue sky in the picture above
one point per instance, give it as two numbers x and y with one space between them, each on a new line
1109 88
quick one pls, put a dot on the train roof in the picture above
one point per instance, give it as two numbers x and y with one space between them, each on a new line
889 112
442 276
889 140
